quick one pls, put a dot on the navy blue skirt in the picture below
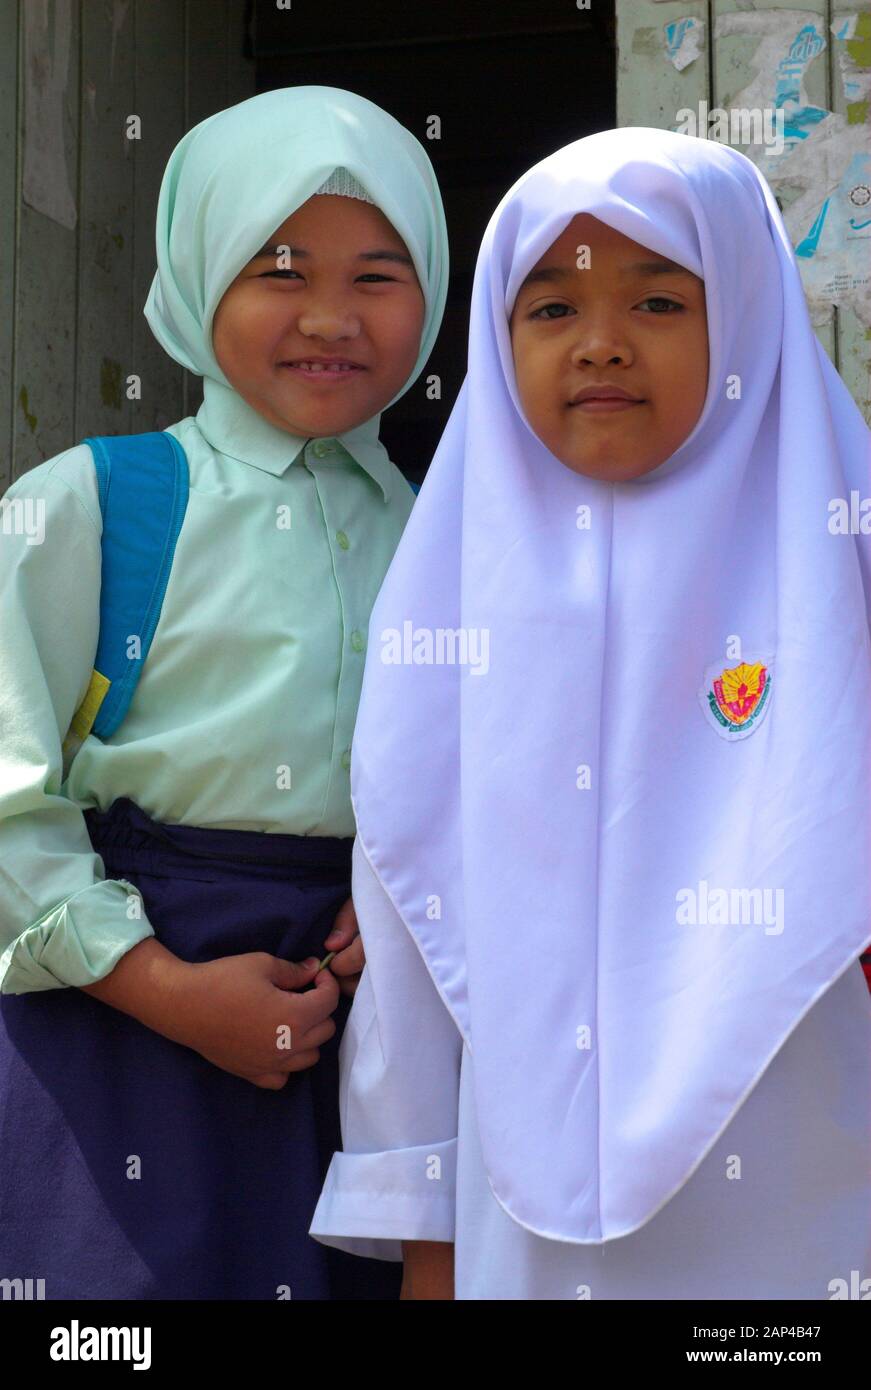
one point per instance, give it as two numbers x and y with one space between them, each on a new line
228 1173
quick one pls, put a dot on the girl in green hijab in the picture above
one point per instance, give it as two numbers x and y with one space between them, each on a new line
168 1043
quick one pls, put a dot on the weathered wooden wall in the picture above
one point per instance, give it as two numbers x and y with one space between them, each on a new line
823 177
78 201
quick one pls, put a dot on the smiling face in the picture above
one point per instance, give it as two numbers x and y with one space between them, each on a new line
351 295
631 320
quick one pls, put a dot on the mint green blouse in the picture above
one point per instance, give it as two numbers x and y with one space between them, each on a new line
245 707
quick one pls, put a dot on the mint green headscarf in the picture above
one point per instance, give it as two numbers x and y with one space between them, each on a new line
235 177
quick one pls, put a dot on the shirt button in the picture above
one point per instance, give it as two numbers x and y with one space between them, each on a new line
357 640
320 449
346 758
342 539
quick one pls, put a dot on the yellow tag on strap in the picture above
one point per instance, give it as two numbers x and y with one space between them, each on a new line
83 719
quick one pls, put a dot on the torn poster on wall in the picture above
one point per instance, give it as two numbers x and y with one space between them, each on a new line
789 40
830 222
684 41
821 172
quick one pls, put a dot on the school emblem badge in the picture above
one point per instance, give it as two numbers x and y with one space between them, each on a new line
735 699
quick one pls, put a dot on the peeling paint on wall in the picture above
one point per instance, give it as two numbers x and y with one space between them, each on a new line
853 48
647 42
119 14
25 406
45 179
110 382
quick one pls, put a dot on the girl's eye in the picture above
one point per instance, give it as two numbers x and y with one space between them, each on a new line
371 275
656 299
541 312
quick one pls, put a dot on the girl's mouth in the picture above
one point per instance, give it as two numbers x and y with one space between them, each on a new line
604 405
603 398
323 372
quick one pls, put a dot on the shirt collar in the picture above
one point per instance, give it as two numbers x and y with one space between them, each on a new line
235 428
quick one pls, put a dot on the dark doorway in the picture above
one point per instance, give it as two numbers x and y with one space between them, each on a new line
509 83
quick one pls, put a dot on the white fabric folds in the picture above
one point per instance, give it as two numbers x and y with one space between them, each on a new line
625 959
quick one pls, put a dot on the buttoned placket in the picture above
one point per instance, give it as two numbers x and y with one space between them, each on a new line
354 627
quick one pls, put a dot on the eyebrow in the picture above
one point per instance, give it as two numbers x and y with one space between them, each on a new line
298 251
550 273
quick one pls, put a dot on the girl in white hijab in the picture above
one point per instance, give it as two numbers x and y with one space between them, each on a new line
611 773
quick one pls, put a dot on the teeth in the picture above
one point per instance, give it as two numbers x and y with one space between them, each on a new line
322 367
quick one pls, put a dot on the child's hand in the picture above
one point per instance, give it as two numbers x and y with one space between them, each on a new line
348 961
245 1014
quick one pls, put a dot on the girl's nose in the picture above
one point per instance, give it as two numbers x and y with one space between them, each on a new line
600 342
328 322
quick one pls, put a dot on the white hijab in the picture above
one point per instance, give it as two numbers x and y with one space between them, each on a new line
613 1041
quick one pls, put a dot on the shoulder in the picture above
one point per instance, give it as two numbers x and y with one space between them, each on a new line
65 482
189 435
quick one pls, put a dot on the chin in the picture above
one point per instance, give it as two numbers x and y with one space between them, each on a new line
311 422
613 472
600 472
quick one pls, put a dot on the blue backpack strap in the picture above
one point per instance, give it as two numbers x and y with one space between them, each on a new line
143 483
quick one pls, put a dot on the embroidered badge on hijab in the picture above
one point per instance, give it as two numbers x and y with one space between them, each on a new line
736 699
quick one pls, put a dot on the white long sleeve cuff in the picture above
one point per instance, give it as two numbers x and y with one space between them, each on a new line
399 1086
370 1203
